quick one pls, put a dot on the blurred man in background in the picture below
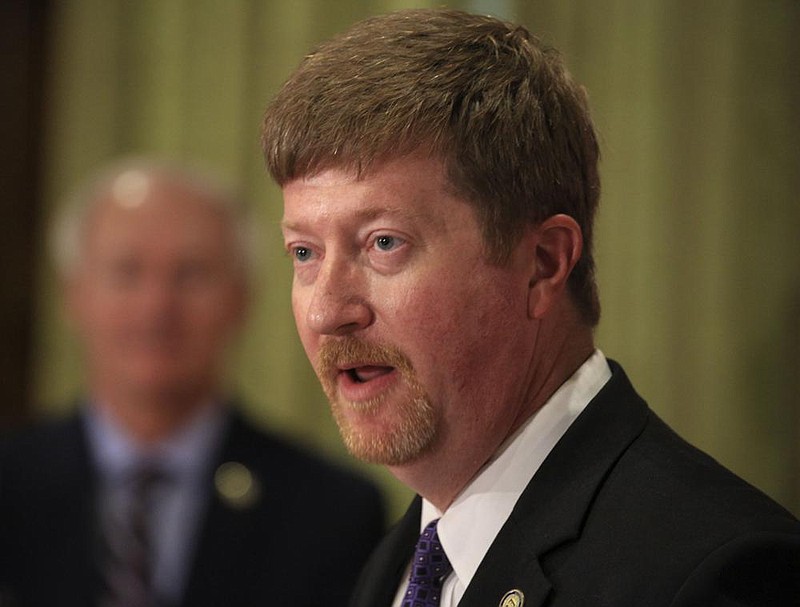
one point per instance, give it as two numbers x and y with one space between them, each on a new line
440 181
158 491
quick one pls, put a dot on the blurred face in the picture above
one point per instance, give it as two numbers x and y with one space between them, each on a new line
421 345
157 294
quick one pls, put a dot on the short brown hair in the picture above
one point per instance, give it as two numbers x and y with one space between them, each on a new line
487 97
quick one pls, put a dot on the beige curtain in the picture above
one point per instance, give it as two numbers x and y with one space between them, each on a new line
698 248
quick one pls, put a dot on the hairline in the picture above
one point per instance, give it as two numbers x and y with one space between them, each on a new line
362 167
77 211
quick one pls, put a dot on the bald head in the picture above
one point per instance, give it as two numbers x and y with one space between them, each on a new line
154 262
133 183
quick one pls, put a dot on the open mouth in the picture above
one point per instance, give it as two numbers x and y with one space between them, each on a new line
365 373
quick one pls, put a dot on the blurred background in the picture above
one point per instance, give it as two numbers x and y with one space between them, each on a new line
697 241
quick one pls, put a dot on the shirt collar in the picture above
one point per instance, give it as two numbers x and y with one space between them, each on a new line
469 526
185 454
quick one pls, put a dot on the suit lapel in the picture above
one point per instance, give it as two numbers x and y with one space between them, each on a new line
555 503
510 564
73 477
227 531
384 572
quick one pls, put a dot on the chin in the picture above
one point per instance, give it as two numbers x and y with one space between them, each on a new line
389 443
160 383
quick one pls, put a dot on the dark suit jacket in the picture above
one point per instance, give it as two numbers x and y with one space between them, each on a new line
622 513
302 543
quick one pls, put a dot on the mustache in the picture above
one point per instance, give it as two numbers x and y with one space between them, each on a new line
345 351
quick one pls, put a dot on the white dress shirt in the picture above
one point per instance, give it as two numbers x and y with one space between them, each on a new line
180 503
468 527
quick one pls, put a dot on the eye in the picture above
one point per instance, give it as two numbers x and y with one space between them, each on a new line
301 253
387 243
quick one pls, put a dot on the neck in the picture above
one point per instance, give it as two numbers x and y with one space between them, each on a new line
442 473
149 417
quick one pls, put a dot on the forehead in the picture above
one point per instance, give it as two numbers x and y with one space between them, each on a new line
408 188
162 215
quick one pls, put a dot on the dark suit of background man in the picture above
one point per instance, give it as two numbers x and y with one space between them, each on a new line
439 173
157 492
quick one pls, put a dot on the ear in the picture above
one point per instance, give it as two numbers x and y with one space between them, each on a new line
558 246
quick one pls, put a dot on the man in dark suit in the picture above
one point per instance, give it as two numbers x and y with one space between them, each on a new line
157 491
439 173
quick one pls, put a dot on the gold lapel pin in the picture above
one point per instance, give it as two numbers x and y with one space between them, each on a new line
512 598
236 485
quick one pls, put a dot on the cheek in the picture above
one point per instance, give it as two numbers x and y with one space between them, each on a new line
429 321
299 311
297 306
220 307
455 303
102 315
105 313
455 328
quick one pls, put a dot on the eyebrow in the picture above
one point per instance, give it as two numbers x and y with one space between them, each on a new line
371 213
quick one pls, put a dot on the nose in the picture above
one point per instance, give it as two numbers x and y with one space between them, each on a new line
157 298
338 301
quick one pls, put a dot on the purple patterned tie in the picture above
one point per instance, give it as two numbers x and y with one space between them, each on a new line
428 570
